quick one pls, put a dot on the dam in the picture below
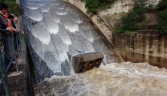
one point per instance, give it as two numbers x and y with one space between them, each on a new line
55 31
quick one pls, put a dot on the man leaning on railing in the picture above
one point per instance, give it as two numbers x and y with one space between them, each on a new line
5 34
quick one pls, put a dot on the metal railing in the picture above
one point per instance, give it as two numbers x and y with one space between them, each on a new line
4 71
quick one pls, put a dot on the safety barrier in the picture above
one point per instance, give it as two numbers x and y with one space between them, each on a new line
4 71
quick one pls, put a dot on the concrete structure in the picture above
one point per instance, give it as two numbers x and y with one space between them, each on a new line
86 61
143 46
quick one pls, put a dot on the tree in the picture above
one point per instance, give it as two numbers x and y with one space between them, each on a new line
162 5
131 21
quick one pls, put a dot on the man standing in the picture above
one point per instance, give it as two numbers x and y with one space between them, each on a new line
11 18
5 35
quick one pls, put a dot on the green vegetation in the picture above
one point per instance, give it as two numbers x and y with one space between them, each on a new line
162 19
8 0
94 5
162 5
135 19
13 7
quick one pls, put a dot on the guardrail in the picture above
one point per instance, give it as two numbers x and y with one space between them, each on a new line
4 71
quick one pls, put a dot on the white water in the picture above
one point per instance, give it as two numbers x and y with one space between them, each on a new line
124 79
57 29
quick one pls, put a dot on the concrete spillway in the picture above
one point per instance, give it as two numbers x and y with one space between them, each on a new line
55 30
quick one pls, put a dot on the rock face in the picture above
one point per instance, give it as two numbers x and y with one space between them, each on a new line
120 6
153 2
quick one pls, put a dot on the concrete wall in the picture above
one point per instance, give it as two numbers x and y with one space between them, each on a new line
143 46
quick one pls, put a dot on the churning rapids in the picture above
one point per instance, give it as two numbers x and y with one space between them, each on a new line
124 79
55 30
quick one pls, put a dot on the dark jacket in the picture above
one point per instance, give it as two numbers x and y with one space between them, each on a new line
3 25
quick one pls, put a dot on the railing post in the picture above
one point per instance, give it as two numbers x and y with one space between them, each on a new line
19 43
11 38
5 81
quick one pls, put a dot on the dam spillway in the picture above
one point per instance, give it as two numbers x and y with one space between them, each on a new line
55 31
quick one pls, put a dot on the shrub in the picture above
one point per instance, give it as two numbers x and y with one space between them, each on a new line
132 20
162 13
162 5
162 21
94 5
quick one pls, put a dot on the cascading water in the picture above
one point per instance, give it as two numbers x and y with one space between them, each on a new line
55 30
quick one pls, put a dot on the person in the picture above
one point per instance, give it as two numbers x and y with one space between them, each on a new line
5 34
12 19
6 17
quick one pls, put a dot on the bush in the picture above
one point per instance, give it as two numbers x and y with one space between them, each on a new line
162 21
131 21
162 13
162 5
94 5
